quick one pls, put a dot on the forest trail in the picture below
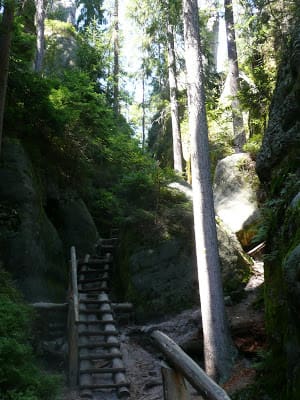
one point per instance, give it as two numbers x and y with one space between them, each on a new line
143 362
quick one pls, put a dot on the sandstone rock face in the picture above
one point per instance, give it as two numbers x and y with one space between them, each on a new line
235 185
74 224
279 170
163 278
35 232
30 246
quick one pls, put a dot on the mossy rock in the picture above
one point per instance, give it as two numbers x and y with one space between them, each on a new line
74 224
31 248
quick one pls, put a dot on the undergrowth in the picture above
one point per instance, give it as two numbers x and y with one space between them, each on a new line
20 376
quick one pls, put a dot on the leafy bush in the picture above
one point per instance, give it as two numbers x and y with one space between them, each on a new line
20 377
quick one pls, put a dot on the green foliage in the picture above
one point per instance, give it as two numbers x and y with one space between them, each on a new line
20 377
253 145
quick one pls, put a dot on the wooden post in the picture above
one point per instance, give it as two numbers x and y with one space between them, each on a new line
73 318
74 282
191 371
174 384
72 346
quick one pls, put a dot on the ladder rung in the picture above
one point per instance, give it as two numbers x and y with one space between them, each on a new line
104 386
100 279
101 370
104 345
94 271
95 261
100 322
89 290
100 356
87 301
98 333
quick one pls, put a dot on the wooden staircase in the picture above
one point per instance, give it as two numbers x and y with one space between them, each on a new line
95 360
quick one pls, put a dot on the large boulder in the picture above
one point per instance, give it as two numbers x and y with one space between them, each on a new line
74 223
30 246
162 276
235 187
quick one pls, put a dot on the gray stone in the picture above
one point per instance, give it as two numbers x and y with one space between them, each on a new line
235 186
164 279
32 251
75 225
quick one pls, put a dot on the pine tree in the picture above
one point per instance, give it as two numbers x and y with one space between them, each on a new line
218 350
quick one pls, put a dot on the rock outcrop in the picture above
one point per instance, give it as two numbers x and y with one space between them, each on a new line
36 231
235 187
279 170
30 246
162 277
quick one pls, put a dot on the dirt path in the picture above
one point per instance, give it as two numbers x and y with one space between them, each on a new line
143 362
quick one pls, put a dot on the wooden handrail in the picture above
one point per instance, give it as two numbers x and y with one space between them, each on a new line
181 362
74 283
50 306
73 318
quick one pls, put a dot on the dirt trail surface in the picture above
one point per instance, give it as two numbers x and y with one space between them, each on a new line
143 361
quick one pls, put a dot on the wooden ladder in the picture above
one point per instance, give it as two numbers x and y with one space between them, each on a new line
95 359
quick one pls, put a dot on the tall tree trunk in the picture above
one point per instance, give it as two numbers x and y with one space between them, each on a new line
6 28
116 57
40 34
218 350
177 145
239 138
143 109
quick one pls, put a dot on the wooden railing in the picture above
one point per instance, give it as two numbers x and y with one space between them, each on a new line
183 366
73 318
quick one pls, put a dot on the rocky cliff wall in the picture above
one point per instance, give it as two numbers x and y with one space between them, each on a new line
278 166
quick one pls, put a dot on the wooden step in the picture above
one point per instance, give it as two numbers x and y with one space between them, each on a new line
103 345
98 271
100 386
100 322
98 333
95 290
91 301
94 280
101 370
100 356
93 311
95 261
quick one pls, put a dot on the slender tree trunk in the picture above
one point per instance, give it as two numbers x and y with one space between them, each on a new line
6 28
218 350
215 36
116 57
239 138
40 34
143 110
177 145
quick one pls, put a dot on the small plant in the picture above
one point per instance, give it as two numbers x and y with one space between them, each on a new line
20 376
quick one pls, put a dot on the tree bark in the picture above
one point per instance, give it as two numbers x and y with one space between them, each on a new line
218 350
116 57
40 34
239 136
6 28
182 363
177 145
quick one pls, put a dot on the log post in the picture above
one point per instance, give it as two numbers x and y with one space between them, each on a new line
174 384
73 317
74 282
72 346
209 389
